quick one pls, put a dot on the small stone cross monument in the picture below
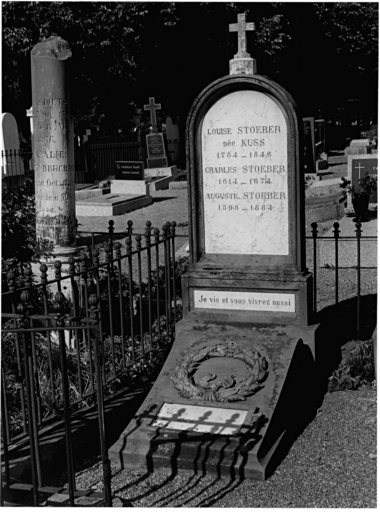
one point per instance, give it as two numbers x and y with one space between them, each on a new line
241 367
157 161
242 61
152 106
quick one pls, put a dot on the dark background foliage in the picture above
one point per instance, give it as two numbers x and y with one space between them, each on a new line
324 54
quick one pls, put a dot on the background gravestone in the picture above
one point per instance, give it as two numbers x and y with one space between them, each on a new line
172 136
53 143
155 141
308 145
12 164
357 167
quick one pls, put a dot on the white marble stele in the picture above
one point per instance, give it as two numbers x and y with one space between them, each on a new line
245 176
200 419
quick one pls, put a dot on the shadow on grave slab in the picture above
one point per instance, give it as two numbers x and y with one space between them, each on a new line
160 199
253 452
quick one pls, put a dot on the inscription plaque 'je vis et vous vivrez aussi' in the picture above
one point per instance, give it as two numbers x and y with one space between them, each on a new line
245 176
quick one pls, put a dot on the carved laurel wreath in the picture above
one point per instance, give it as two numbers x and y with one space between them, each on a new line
226 390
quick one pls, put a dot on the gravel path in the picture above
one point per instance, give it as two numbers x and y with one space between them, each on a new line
332 464
333 461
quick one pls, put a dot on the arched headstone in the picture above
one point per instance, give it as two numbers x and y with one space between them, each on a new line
11 162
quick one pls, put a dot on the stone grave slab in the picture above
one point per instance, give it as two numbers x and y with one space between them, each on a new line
360 142
130 187
358 147
111 204
83 191
161 177
230 439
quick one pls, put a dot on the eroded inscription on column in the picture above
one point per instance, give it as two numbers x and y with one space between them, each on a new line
54 170
245 176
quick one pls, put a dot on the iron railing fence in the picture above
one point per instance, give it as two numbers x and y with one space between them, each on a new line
25 336
354 248
101 158
135 289
15 162
16 165
122 295
135 292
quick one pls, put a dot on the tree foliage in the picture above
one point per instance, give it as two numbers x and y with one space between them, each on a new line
324 54
20 245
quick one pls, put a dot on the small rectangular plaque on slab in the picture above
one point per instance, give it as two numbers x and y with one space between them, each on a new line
129 170
250 301
196 418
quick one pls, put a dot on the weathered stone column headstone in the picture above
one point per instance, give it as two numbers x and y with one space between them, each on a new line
53 142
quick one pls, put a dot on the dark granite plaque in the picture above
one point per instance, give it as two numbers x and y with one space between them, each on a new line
129 170
362 166
155 145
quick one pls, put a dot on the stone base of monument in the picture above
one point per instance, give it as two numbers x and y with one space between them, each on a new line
320 208
93 191
267 369
356 150
161 177
160 183
161 171
111 204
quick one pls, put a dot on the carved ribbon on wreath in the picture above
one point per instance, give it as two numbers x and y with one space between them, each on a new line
226 390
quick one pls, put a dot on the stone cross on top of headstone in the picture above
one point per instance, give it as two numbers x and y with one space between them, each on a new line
241 27
153 107
242 63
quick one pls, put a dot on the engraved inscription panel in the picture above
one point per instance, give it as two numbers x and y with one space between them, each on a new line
245 301
200 419
245 176
155 145
54 170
